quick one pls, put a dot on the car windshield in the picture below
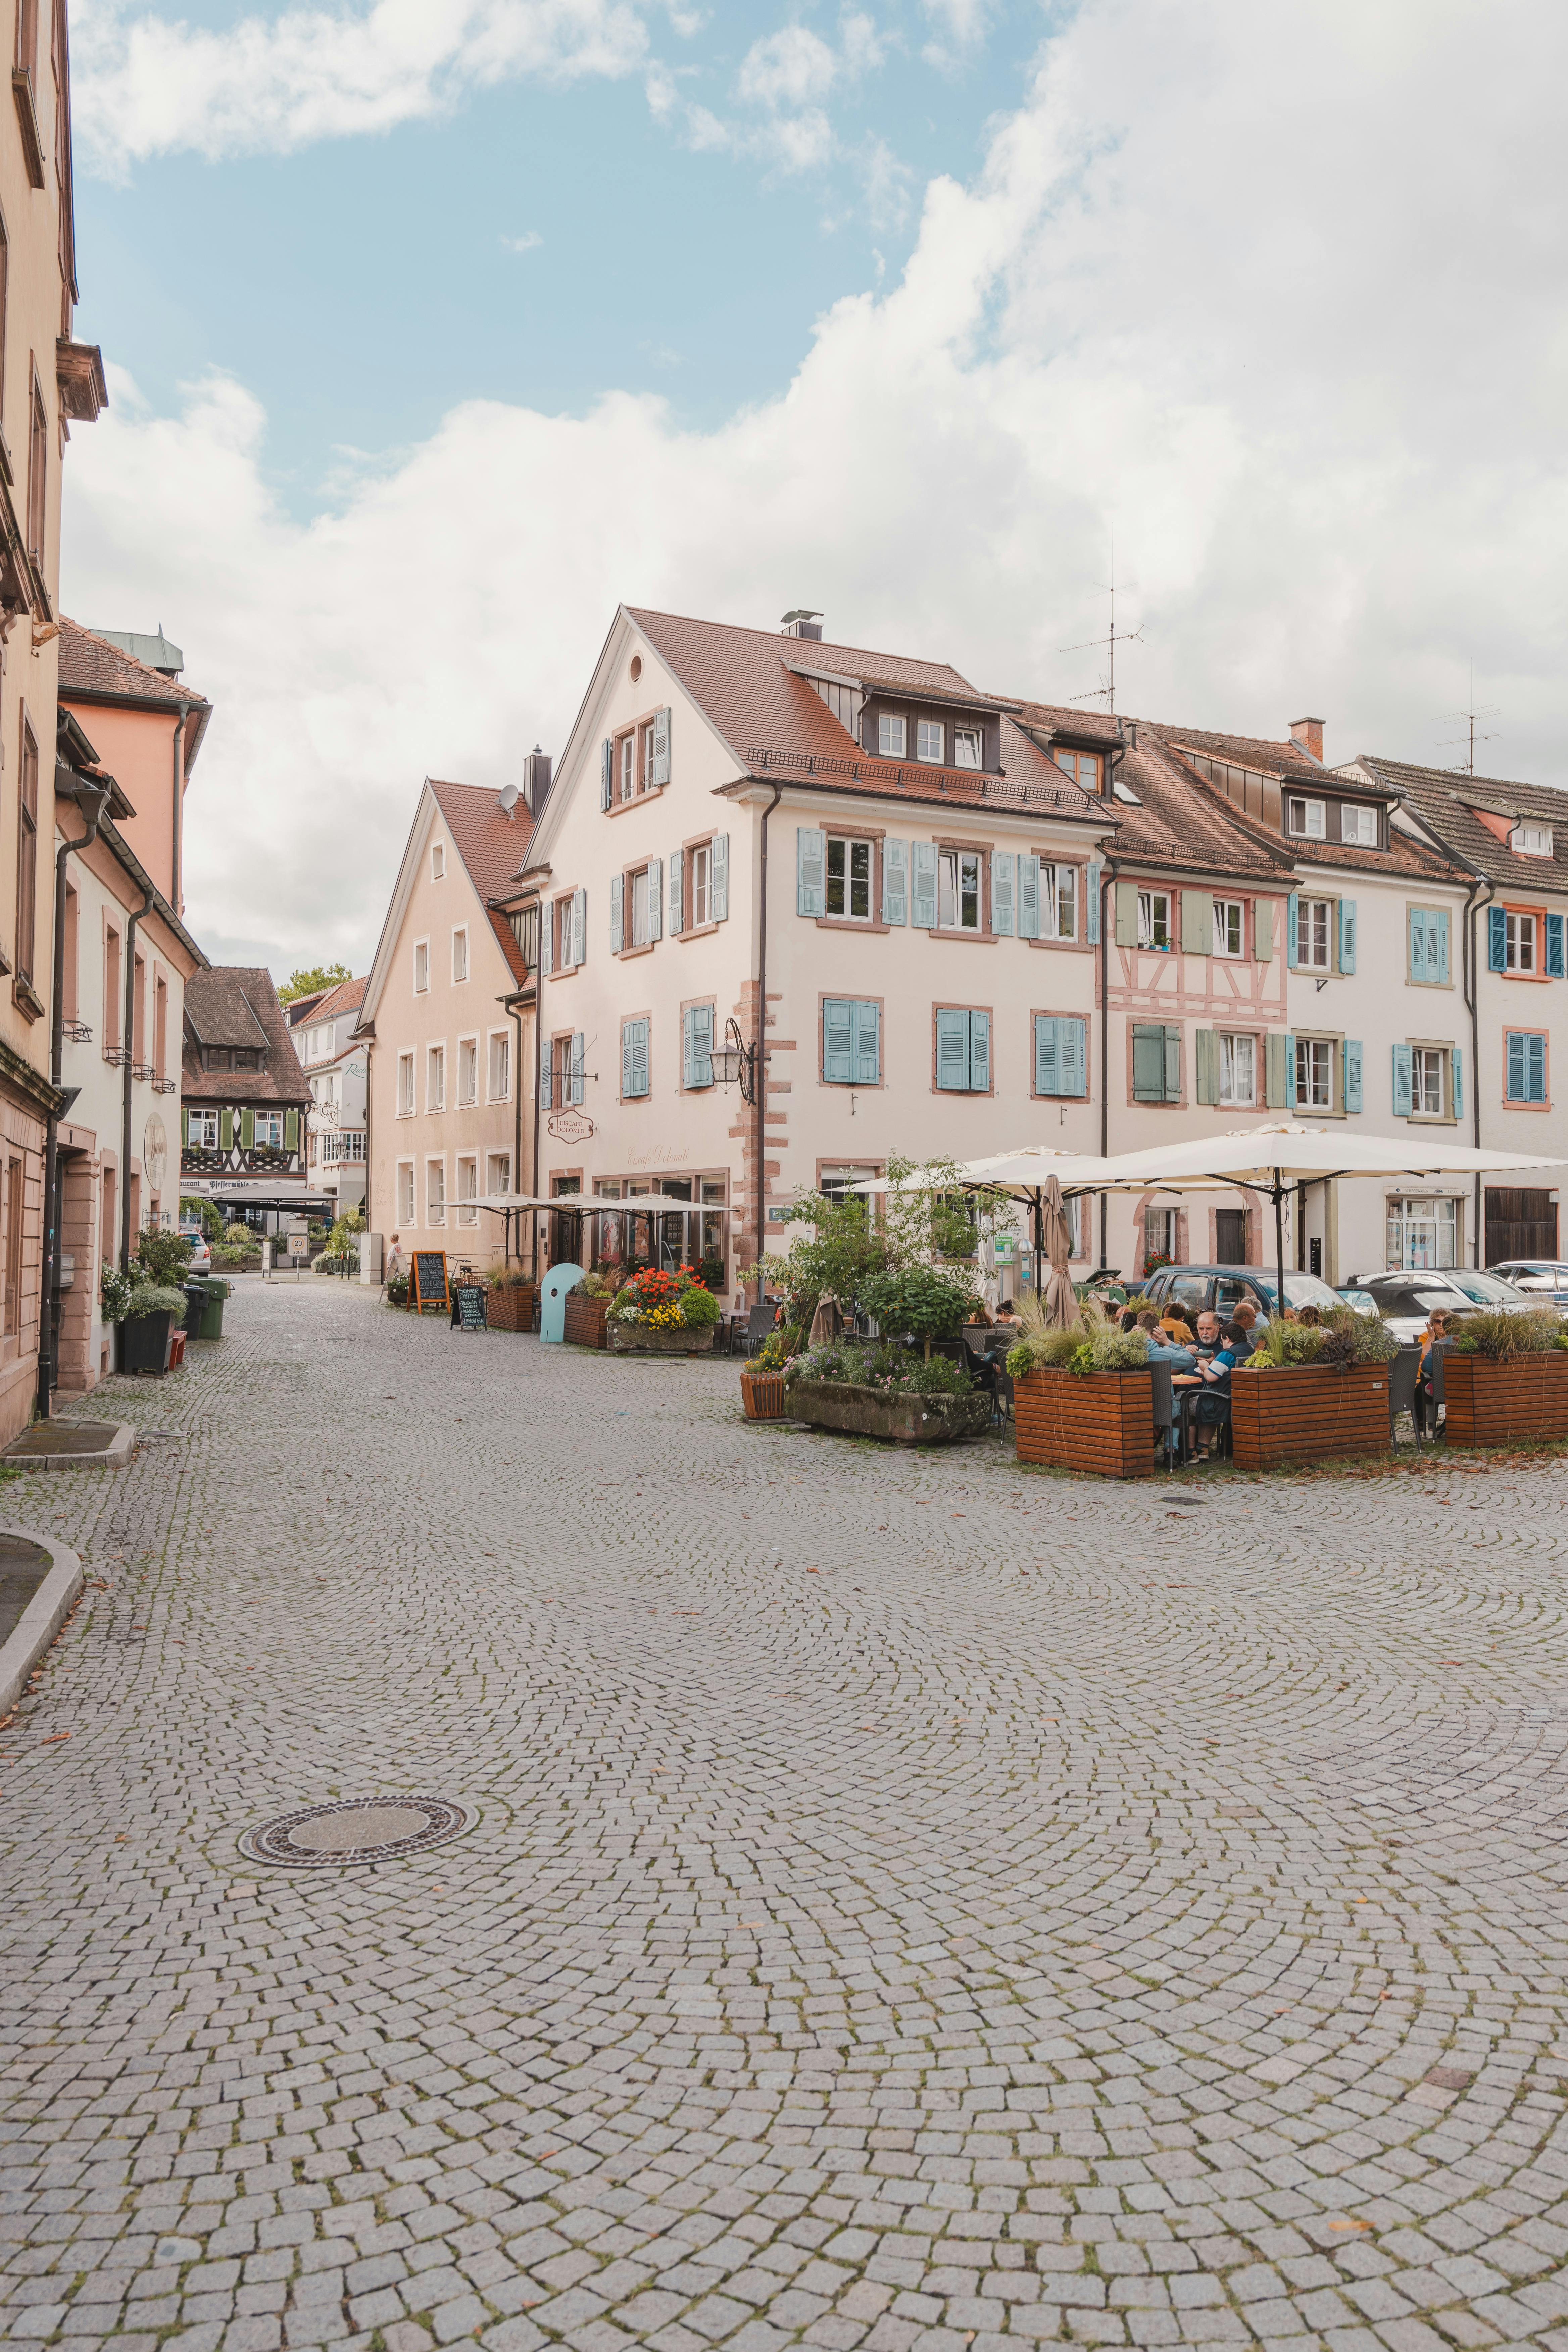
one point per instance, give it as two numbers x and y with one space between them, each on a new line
1300 1290
1484 1288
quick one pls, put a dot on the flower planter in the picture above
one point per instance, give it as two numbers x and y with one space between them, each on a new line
905 1420
641 1339
1308 1412
144 1343
585 1320
511 1308
1103 1423
1494 1404
762 1395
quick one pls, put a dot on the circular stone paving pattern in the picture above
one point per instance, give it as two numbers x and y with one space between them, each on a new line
361 1829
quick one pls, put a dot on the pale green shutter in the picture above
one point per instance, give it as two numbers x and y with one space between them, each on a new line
606 773
1443 945
895 881
1352 1074
1046 1058
1417 943
247 1130
185 1129
627 1086
1029 898
1148 1062
719 880
1518 1081
575 1090
1072 1055
1276 1084
952 1051
837 1041
922 884
1456 1077
1205 1064
661 747
1263 931
1197 922
617 914
1002 868
1092 901
702 1045
980 1052
1172 1065
676 892
867 1045
290 1131
1402 1082
810 872
226 1129
687 1028
1347 935
1292 919
1127 916
656 897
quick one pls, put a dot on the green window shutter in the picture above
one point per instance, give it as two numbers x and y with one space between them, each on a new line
1172 1065
1497 940
579 927
688 1040
1197 922
1127 914
1402 1082
867 1045
290 1131
247 1130
1554 955
1029 898
1443 945
979 1053
1347 934
676 892
1417 943
895 881
661 747
1275 1057
576 1091
1292 905
638 1030
719 880
547 1074
922 884
1002 869
810 872
226 1129
1046 1081
627 1028
1537 1070
1206 1058
1072 1055
1092 901
952 1051
1517 1083
1352 1074
1290 1071
656 897
1148 1062
702 1045
1457 1081
617 916
837 1041
1263 931
606 773
185 1129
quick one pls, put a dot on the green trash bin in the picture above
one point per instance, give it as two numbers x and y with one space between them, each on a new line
214 1294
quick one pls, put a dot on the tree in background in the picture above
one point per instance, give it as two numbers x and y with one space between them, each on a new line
310 979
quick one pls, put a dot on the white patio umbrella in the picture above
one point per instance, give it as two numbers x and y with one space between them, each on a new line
1056 1294
1272 1159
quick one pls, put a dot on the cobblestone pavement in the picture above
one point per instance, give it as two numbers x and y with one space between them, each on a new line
911 1903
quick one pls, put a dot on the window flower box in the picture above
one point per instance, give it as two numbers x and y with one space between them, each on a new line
1103 1422
1496 1404
907 1420
509 1307
585 1320
762 1395
1308 1412
642 1339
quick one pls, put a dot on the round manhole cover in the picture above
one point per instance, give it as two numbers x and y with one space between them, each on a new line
361 1829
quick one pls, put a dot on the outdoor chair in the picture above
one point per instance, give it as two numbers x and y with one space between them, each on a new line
983 1370
758 1323
1402 1374
1165 1424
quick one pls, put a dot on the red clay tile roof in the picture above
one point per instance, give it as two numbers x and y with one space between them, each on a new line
1183 819
91 665
237 1004
494 847
1446 801
346 997
1273 758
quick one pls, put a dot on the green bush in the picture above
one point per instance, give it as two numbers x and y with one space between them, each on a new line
155 1298
237 1236
1342 1337
161 1255
114 1289
920 1300
892 1371
1501 1338
1044 1352
699 1309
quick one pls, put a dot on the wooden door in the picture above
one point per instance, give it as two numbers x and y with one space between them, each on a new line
1519 1223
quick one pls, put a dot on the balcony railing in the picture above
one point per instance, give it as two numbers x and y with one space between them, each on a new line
78 1032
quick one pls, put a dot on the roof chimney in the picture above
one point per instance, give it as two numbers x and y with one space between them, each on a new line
1306 734
803 624
536 778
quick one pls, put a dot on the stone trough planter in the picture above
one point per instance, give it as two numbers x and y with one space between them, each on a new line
1103 1423
638 1339
904 1419
1308 1412
1496 1404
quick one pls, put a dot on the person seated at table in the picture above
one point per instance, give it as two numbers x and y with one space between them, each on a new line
1312 1316
1208 1332
1007 1313
1425 1409
1162 1349
1245 1313
1214 1403
1177 1325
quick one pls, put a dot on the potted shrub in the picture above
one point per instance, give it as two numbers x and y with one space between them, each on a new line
876 1389
1506 1377
1083 1398
151 1312
660 1314
1309 1391
763 1379
397 1290
511 1300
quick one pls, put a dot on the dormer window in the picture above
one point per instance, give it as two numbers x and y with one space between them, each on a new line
1530 839
1309 819
1083 767
966 747
1359 825
892 736
930 740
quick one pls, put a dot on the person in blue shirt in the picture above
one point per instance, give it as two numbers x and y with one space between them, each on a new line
1214 1404
1161 1349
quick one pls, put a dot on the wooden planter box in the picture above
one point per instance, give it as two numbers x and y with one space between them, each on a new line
1308 1413
1494 1404
637 1340
512 1308
762 1395
906 1419
1104 1422
585 1320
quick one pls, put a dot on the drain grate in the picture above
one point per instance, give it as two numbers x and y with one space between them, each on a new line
361 1829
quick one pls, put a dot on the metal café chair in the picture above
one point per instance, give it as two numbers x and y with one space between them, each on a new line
758 1323
1166 1429
1402 1376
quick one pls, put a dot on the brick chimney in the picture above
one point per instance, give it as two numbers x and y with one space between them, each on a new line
1306 734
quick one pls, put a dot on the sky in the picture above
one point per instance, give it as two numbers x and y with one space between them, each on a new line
435 329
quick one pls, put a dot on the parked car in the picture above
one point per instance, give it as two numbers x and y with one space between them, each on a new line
1406 1296
201 1261
1544 1279
1354 1295
1196 1287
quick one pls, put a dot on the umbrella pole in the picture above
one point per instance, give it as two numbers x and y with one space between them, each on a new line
1279 1245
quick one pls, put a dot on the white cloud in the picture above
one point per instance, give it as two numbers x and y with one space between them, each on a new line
1278 291
528 242
793 67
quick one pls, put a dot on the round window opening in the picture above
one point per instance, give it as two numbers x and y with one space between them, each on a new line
636 667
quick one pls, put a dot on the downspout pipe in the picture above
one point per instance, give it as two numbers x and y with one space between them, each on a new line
91 800
128 1038
514 1005
761 1067
538 1050
178 828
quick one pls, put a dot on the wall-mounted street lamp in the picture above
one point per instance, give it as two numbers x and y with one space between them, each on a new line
735 1062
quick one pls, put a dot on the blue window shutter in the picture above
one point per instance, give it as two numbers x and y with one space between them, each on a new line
922 884
1002 870
1347 934
979 1053
1046 1081
702 1044
617 920
638 1033
837 1041
575 1089
1417 943
1172 1065
676 891
1402 1082
1442 913
718 880
661 747
547 938
895 881
1072 1055
1091 902
1517 1086
688 1045
1289 1070
546 1076
1537 1070
1029 898
810 871
1497 940
1457 1074
1352 1074
627 1028
606 773
952 1051
867 1045
1292 904
656 897
579 927
1554 962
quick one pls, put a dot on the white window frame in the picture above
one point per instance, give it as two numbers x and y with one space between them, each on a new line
1168 1219
933 730
1308 819
498 1172
628 765
951 866
892 735
273 1139
460 954
1517 940
500 1049
1410 1221
1147 901
1314 1054
467 1189
966 747
1308 910
438 861
1223 908
1428 1076
849 842
406 1105
701 885
639 934
1541 847
436 1192
1238 1068
1057 883
467 1073
405 1169
421 967
1361 838
207 1139
434 1078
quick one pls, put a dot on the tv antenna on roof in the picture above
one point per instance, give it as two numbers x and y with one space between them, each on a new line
1106 691
1469 738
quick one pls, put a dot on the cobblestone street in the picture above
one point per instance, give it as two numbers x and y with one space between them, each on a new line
910 1903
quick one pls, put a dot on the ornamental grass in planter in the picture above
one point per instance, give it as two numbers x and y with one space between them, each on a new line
660 1314
1506 1377
1083 1398
509 1307
883 1390
1311 1391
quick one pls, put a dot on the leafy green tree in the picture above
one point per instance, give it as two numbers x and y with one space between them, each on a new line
163 1255
920 1299
310 979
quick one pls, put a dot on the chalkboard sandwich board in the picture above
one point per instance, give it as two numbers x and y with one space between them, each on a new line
469 1303
427 1284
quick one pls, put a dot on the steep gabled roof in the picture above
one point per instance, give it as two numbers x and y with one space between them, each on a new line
346 997
1449 803
493 846
92 670
237 1004
1183 820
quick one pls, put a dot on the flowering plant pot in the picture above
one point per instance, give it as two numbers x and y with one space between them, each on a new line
509 1307
1103 1422
762 1395
584 1326
643 1339
1308 1412
908 1418
1495 1404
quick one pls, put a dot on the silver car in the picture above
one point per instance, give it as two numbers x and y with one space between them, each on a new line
1406 1299
201 1257
1544 1279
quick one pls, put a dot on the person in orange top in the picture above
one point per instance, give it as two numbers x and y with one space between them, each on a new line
1437 1328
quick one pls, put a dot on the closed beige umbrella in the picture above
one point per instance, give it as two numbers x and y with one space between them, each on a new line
1059 1301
